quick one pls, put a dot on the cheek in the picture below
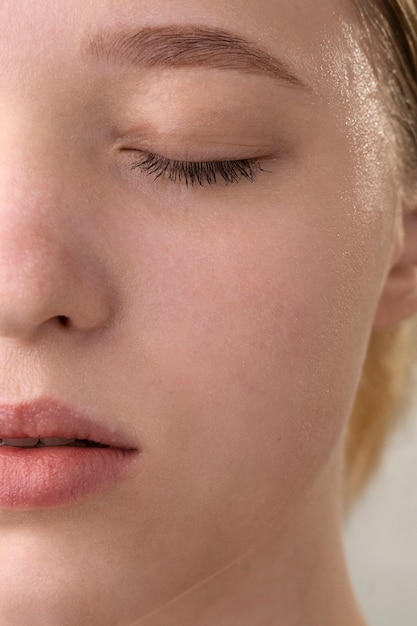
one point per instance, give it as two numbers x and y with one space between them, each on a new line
253 333
236 364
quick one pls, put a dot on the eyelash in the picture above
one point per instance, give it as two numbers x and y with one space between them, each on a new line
191 173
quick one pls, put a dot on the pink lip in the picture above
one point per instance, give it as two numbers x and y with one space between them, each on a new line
53 476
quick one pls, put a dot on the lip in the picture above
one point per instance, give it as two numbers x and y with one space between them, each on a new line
51 418
53 476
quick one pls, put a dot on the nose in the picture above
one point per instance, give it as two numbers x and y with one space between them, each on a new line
51 268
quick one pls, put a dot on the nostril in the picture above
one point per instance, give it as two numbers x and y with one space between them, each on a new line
63 321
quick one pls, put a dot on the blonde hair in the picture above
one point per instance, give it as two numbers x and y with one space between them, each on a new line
389 370
383 396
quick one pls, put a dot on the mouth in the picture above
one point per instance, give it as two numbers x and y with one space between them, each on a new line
47 442
53 455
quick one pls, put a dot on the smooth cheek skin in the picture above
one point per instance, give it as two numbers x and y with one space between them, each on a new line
233 354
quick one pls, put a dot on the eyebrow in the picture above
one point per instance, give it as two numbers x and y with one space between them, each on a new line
188 46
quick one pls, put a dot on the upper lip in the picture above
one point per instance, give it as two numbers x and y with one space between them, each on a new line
47 417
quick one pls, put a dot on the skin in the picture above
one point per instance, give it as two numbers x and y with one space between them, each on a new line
223 329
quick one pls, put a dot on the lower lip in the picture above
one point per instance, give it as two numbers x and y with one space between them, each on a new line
50 477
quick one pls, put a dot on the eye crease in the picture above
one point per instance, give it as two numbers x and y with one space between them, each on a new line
198 173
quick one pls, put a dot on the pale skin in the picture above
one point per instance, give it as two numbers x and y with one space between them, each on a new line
223 327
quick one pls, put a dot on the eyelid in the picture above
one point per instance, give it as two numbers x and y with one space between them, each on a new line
200 149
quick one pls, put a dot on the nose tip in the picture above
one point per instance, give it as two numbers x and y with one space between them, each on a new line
50 285
53 266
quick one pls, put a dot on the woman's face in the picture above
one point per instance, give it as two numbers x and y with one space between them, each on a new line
221 327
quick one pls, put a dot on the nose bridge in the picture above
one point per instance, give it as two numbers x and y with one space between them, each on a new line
34 190
29 155
32 252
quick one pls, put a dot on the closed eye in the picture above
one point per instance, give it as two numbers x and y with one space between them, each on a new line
192 173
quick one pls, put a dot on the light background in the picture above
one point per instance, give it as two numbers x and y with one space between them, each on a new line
381 534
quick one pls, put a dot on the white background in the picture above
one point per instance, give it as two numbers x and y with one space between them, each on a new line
381 534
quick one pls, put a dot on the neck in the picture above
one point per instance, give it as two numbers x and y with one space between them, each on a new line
298 577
